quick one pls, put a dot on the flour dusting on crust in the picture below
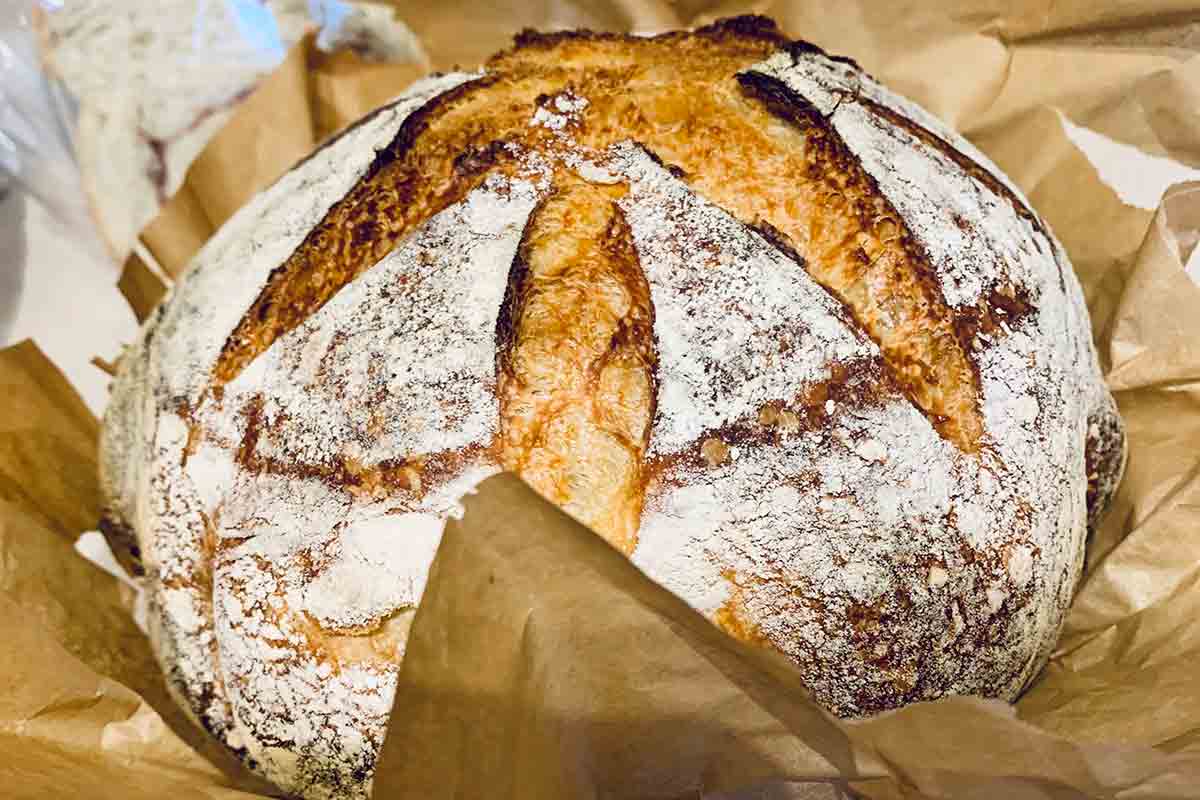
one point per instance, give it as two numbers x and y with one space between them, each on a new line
793 492
382 373
738 323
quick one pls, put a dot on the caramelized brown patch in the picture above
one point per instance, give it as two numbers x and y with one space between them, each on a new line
415 476
422 172
1003 307
744 141
858 384
856 245
445 149
575 361
731 616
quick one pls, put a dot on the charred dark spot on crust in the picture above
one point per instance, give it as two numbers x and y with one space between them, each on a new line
744 28
532 39
781 100
1013 303
799 48
777 239
418 122
865 619
122 540
1005 305
475 160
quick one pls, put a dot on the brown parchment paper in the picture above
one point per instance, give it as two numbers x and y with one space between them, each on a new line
84 711
541 665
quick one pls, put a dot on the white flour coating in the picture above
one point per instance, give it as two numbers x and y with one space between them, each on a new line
965 228
560 112
827 79
394 568
180 342
402 361
824 76
879 475
231 269
399 364
224 279
171 531
312 721
738 324
303 518
176 351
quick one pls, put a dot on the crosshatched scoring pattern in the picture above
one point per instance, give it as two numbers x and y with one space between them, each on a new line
778 335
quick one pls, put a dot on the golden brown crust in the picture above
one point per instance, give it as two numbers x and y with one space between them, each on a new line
858 246
680 98
575 366
442 151
575 361
428 167
674 93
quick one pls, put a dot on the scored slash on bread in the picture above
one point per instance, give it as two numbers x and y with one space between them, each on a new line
778 335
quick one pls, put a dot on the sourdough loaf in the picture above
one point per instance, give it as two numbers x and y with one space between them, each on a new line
780 336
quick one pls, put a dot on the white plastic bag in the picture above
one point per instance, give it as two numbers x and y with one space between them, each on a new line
105 104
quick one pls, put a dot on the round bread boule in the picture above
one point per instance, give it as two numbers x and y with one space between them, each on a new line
774 332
